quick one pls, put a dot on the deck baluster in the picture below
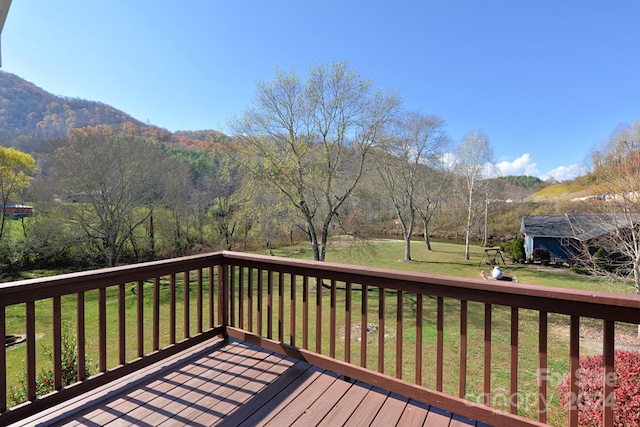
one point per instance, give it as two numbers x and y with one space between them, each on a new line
319 286
102 325
542 366
574 369
269 304
332 320
486 389
608 352
439 343
364 325
292 310
80 336
462 385
399 333
199 303
31 350
305 312
260 301
172 309
513 371
381 326
280 306
57 343
419 352
156 313
347 322
250 299
140 317
122 331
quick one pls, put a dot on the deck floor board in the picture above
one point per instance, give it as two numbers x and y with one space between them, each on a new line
239 384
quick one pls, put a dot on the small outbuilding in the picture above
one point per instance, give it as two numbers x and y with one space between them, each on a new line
564 235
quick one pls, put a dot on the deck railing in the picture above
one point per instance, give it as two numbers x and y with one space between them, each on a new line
488 350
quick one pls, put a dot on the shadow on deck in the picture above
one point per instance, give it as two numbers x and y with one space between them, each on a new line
232 383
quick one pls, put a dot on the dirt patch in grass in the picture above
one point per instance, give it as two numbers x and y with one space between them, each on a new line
372 333
591 337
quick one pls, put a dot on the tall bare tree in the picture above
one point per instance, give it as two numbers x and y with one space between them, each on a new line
412 151
115 180
474 164
310 140
429 192
614 205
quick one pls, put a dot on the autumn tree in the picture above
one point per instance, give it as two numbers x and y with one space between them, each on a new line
16 168
114 182
411 151
474 166
310 140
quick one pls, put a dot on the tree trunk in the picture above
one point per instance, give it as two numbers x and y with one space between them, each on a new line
427 242
152 238
468 233
408 233
313 239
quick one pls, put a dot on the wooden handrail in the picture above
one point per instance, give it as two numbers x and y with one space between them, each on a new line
295 290
576 304
33 291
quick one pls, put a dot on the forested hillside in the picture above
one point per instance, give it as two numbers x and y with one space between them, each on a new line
30 116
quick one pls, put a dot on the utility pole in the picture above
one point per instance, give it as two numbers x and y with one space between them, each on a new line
486 219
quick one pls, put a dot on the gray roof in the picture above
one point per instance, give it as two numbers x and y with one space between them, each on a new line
580 226
547 226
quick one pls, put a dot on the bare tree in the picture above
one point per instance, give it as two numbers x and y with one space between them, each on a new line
115 181
429 192
474 164
611 235
412 151
298 135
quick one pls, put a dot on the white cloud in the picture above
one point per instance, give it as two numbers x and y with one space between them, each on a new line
564 173
523 165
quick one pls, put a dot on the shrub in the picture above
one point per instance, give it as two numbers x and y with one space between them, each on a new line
590 396
541 255
44 379
517 249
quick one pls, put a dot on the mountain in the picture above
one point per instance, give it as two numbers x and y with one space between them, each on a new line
30 115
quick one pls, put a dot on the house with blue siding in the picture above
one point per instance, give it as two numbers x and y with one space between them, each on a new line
564 236
550 232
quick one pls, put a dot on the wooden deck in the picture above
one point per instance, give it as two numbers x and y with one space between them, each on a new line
234 383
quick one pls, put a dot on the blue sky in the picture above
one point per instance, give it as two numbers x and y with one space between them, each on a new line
546 81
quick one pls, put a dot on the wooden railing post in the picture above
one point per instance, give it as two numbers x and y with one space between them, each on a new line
223 297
